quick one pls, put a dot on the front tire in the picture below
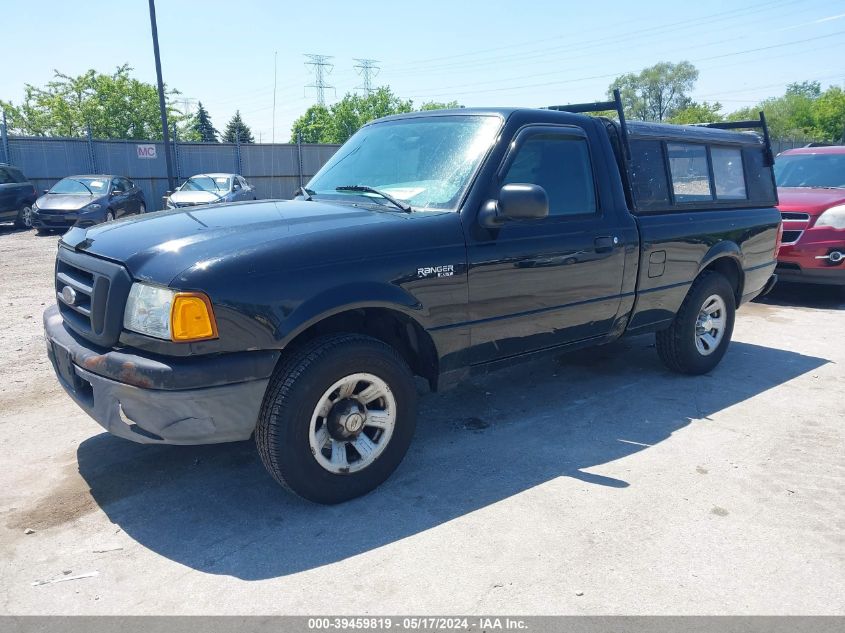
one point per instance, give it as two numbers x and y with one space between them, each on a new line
701 332
142 209
109 216
337 418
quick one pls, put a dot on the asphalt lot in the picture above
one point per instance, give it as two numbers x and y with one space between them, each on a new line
595 483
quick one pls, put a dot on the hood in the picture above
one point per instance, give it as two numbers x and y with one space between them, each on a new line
64 202
809 200
194 197
158 246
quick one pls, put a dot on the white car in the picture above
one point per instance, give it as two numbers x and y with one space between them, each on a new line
211 189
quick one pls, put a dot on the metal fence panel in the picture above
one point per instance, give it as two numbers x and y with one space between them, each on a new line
274 170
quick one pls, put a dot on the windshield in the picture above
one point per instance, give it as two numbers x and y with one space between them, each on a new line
206 183
810 170
85 186
426 161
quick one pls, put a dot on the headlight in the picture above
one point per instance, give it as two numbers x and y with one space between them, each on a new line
833 217
91 207
34 206
169 314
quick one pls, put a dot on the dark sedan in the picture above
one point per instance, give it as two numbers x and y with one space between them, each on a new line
85 201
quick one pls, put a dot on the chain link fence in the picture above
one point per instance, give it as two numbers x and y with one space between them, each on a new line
274 170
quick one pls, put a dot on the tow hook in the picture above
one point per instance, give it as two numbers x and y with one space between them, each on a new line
835 257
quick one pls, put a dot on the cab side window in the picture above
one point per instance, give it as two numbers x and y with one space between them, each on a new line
560 164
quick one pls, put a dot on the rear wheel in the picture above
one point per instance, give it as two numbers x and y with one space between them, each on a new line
701 332
24 219
337 418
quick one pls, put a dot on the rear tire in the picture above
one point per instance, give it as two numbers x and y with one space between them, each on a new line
701 332
306 415
24 218
42 231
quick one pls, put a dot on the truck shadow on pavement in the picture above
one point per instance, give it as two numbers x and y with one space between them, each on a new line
214 508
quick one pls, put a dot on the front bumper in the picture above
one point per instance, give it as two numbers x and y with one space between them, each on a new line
805 261
195 400
53 220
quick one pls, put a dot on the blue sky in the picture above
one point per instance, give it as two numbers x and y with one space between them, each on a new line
480 53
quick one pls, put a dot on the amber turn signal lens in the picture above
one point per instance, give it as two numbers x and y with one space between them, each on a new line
191 318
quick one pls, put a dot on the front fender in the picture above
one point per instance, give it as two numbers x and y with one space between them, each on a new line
338 299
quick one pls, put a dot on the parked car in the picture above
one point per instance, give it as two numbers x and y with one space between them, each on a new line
211 189
811 189
86 201
17 194
438 244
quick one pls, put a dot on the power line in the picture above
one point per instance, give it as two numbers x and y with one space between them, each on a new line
322 67
368 70
616 74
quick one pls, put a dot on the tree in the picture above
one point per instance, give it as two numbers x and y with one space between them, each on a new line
237 130
656 93
201 124
803 111
436 105
315 126
320 124
703 112
114 106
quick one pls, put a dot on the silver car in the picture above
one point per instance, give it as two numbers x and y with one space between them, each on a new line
211 189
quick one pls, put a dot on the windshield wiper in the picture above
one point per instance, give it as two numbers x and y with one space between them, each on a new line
365 189
305 192
83 184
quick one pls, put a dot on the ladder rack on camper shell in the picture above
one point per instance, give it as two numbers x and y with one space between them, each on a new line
616 105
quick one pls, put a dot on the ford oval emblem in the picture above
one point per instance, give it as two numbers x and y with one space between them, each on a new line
69 295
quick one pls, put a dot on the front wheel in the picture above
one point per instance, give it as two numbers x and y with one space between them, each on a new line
701 332
109 216
337 418
142 208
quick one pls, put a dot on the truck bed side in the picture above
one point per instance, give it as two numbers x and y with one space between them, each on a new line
676 247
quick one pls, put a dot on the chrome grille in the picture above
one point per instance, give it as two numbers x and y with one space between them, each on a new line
794 224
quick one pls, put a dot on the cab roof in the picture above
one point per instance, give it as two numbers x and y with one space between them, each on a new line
636 129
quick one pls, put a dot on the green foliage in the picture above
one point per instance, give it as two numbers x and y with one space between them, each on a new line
237 130
315 126
436 105
201 125
656 93
336 124
114 105
804 111
694 112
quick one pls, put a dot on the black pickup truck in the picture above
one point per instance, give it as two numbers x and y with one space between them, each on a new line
432 244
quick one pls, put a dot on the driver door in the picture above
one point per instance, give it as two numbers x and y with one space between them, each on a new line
541 283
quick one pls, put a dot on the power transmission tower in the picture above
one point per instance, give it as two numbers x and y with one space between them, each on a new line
322 67
368 70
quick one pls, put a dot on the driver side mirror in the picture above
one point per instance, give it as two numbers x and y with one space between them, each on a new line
517 201
236 187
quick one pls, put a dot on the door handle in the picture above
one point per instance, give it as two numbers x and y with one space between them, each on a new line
605 244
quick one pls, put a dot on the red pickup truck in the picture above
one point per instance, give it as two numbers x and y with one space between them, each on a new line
811 189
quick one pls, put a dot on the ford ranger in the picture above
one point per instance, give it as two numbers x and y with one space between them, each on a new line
433 244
